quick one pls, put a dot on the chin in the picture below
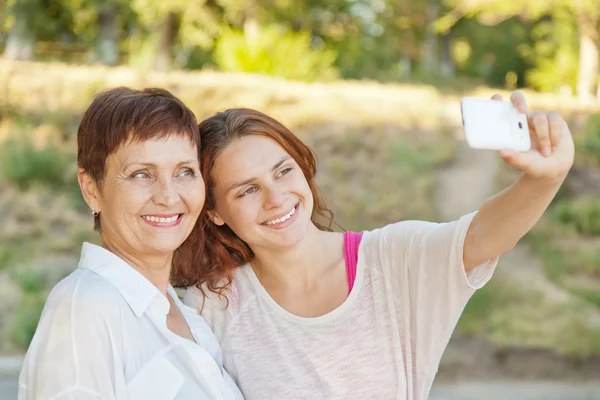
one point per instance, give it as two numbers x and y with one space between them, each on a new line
164 246
292 238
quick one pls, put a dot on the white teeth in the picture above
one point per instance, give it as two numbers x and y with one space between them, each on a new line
282 219
161 220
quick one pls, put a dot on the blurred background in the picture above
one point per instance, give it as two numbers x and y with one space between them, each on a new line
374 87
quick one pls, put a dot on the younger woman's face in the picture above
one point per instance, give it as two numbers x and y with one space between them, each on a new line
261 193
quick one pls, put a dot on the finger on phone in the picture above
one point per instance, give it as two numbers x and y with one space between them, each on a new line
518 100
556 129
541 132
514 158
497 96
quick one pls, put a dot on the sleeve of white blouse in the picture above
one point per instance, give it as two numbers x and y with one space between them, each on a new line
73 354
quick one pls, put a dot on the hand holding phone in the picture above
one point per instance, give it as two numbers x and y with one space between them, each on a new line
494 125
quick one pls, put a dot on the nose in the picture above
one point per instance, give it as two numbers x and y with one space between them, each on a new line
274 197
166 193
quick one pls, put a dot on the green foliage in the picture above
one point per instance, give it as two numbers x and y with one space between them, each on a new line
22 163
26 319
496 294
590 143
10 253
285 54
29 280
492 52
33 296
582 213
553 53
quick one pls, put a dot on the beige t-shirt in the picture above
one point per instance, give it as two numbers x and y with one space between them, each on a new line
384 342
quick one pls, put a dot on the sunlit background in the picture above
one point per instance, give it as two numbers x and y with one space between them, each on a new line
374 86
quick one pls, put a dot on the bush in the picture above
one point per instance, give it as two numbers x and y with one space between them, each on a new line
22 164
27 318
273 52
583 214
590 143
10 253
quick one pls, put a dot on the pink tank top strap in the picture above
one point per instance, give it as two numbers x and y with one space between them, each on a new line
351 243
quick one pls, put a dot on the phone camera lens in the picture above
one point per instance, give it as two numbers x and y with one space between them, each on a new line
520 125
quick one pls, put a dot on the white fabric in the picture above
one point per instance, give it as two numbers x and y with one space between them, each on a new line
103 335
384 342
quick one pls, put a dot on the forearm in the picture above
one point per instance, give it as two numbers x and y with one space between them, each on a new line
506 217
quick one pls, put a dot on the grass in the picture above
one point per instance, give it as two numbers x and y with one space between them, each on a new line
373 176
513 317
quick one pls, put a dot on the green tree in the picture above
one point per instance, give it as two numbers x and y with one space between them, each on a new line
585 14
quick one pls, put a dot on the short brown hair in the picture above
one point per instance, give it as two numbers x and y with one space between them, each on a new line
223 250
121 114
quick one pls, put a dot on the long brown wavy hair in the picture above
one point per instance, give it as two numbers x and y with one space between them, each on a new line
216 250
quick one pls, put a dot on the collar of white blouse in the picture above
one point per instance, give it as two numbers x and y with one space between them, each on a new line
138 291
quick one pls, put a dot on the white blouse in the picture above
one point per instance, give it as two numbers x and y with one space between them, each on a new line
103 335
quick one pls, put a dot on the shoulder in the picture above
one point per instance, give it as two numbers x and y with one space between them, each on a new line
395 234
84 297
221 310
205 300
405 232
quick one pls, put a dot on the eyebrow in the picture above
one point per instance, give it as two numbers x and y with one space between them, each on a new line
248 181
147 164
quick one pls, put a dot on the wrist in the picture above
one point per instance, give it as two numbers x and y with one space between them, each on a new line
546 181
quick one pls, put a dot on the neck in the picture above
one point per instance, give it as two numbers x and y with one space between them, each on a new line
154 267
299 264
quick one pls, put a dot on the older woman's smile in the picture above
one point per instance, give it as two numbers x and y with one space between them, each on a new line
163 220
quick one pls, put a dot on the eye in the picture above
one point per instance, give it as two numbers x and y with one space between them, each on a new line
284 171
140 175
248 191
188 172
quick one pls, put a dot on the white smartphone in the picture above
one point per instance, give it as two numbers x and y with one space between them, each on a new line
494 125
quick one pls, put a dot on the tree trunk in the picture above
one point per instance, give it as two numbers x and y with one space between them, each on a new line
21 40
408 52
447 67
107 45
164 50
251 25
588 65
430 47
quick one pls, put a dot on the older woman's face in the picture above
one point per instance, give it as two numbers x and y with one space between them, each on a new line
151 195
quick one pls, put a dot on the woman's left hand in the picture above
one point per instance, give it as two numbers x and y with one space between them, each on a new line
552 149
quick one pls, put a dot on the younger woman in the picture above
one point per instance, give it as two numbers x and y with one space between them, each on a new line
305 313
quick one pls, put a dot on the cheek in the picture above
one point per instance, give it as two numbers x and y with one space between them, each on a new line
241 214
301 183
195 197
126 198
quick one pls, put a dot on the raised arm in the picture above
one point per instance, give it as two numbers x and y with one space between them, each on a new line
506 217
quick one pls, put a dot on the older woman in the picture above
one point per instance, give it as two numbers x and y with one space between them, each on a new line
115 328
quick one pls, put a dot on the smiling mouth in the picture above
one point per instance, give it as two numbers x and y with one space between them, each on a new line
163 220
283 218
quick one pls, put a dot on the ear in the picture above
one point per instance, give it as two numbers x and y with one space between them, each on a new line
215 218
89 190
